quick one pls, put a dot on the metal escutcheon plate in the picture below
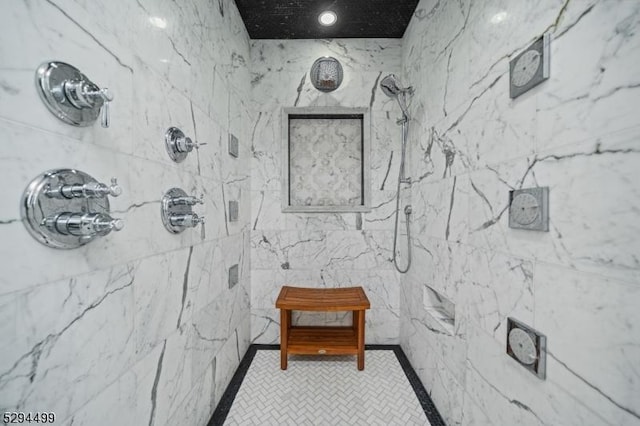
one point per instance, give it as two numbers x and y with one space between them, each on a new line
171 137
167 209
36 205
50 78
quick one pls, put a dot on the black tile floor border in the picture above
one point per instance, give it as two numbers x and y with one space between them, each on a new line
224 406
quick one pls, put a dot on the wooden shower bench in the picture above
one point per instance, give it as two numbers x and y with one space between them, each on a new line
306 340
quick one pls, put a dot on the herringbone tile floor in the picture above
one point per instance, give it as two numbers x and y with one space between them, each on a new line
327 391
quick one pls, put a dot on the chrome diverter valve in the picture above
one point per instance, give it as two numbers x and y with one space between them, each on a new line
67 208
177 213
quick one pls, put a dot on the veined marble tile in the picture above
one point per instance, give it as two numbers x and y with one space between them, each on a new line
321 221
386 151
447 394
290 82
288 249
592 88
266 170
499 286
383 207
382 327
444 266
569 174
196 406
237 190
240 118
164 40
590 320
358 54
149 234
213 325
493 129
68 333
160 297
160 106
437 46
207 276
266 211
267 283
266 130
79 360
358 250
417 347
440 209
54 151
508 394
382 286
142 397
265 326
227 360
496 32
109 22
38 28
472 414
173 379
116 404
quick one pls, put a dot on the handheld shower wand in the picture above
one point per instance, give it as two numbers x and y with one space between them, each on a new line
391 87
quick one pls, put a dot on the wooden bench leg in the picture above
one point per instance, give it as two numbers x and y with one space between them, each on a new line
360 330
285 323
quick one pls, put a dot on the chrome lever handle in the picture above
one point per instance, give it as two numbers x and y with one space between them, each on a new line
84 94
88 190
188 200
115 190
189 220
107 97
187 144
85 225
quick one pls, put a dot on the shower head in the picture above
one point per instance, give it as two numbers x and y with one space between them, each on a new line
390 85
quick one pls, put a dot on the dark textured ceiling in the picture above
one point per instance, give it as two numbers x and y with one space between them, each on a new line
288 19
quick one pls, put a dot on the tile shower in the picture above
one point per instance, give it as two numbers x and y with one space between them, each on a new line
142 327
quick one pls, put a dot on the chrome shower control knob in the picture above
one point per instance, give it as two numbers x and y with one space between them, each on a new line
85 94
71 96
178 145
189 200
67 208
184 144
83 224
80 93
91 189
176 209
189 220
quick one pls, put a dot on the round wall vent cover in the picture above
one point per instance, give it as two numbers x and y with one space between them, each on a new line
326 74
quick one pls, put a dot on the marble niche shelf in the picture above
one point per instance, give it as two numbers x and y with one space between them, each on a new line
326 159
440 309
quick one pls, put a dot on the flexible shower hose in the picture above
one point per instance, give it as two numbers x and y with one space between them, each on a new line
407 209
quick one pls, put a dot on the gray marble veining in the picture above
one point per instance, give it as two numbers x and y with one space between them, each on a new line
470 145
140 329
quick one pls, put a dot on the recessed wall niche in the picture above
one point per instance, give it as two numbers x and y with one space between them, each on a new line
325 159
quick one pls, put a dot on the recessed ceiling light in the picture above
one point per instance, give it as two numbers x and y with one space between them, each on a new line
327 18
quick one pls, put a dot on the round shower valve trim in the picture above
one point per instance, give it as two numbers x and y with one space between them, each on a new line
67 208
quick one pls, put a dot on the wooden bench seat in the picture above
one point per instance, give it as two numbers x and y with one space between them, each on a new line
322 340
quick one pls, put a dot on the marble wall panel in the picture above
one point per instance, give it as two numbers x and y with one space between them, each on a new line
100 354
574 133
